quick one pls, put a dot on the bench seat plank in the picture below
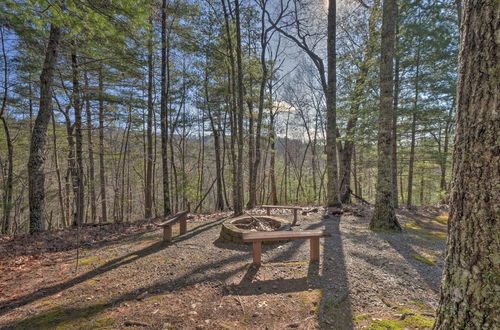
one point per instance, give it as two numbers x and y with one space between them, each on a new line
176 218
283 235
281 207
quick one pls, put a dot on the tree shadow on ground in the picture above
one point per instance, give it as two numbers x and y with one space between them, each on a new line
335 306
106 267
431 274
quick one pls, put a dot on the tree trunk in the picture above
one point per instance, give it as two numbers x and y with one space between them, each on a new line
102 177
358 95
238 201
78 178
163 110
333 198
36 175
384 217
9 181
469 290
394 145
411 164
93 207
148 186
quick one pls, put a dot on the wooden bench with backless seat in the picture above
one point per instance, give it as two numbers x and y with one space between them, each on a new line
256 238
180 218
295 209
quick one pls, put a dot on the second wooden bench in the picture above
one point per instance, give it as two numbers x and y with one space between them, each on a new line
256 238
295 209
180 218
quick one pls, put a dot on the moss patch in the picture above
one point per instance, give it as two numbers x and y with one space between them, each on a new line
64 318
413 225
362 317
434 235
87 261
423 259
414 321
442 219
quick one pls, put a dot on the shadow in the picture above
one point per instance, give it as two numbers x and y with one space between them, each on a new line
335 306
431 274
106 267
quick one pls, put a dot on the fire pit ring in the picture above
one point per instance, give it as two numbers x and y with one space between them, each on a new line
232 229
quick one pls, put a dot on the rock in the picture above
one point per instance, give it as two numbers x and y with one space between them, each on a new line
405 315
142 296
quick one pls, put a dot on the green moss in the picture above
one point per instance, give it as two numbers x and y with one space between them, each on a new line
436 236
45 303
424 259
64 318
87 261
361 317
442 219
414 321
419 304
413 225
91 282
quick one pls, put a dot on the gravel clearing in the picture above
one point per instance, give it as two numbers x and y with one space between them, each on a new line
130 280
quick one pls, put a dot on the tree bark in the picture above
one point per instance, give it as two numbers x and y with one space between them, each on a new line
238 200
9 181
384 217
469 290
163 110
358 95
394 140
78 177
413 130
333 198
102 177
36 175
148 186
90 146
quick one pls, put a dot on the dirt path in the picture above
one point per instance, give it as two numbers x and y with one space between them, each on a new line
364 279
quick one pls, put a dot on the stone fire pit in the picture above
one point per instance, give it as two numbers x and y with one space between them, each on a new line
232 229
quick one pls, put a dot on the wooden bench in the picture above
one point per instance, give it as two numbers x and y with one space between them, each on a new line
256 239
295 209
180 218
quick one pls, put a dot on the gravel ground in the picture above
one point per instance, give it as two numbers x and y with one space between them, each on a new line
365 279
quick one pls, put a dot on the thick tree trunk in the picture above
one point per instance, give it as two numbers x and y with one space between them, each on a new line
469 291
384 217
394 140
333 198
36 175
102 177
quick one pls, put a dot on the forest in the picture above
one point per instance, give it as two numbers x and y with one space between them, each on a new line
374 122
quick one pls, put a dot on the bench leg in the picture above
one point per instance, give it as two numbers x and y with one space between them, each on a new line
183 226
268 211
294 217
314 249
167 233
257 252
